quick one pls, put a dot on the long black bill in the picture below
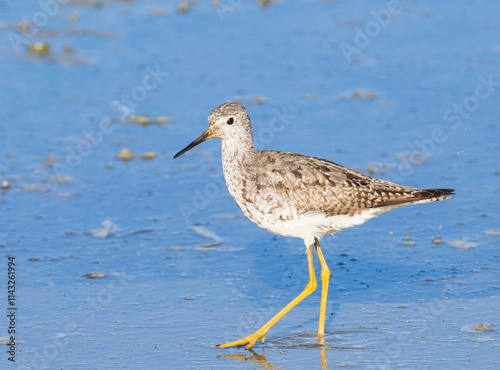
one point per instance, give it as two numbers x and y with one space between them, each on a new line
205 136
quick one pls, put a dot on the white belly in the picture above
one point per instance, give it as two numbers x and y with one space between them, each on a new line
313 224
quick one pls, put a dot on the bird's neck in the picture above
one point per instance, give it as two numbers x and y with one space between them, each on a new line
238 160
237 150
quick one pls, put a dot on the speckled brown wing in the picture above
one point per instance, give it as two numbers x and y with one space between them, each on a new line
309 184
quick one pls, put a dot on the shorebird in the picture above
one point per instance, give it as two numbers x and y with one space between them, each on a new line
298 195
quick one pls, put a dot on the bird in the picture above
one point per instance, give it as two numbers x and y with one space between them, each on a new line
300 196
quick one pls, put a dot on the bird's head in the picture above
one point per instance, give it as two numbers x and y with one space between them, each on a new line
229 121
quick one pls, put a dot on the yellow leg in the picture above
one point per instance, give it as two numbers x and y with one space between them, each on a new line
261 333
325 281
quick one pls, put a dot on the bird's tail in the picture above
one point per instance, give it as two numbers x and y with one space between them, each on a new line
434 194
411 196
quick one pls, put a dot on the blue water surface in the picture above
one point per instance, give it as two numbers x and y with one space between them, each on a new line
404 90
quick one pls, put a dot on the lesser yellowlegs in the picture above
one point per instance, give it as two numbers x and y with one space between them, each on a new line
298 195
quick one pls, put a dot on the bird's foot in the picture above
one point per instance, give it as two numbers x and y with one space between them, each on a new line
248 341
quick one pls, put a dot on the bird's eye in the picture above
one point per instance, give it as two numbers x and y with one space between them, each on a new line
230 121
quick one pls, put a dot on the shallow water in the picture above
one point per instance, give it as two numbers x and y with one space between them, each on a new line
412 104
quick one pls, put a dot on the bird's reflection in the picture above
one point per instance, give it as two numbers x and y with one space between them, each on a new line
322 357
262 361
